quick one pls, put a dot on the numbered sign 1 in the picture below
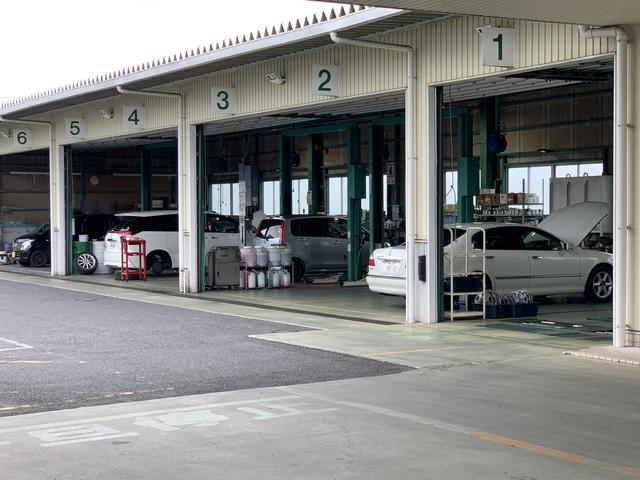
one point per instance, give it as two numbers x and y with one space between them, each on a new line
326 80
133 117
74 127
21 137
223 100
498 46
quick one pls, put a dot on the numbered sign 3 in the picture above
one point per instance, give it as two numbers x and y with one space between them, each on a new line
326 80
223 100
74 127
498 46
21 137
133 117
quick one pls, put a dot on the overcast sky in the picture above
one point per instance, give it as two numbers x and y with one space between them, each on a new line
53 42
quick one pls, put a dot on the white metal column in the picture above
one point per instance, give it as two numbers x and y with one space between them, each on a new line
188 212
57 210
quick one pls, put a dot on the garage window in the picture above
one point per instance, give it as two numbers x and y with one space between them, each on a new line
225 198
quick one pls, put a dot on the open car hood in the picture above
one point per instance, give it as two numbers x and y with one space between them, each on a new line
572 224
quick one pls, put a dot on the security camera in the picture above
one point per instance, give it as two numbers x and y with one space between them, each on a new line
275 78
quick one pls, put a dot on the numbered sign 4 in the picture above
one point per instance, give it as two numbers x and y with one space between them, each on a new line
223 100
74 128
326 80
498 46
133 117
21 137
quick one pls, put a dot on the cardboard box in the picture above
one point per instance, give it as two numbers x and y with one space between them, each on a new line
512 198
487 191
503 199
495 199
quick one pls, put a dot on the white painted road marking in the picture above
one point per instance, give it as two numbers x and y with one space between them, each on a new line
56 437
171 421
17 345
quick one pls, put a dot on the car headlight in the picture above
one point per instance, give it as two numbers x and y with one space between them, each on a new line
26 245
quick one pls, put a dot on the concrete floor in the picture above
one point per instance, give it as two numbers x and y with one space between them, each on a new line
486 400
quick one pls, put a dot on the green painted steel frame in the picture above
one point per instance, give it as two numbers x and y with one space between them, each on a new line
202 185
68 206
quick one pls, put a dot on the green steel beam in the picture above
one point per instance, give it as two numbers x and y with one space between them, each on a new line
566 123
315 159
390 120
20 190
285 175
536 153
376 187
468 167
356 175
336 127
552 98
489 122
202 187
68 206
146 180
161 145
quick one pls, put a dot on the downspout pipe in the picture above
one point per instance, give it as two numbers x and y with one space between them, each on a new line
410 149
53 179
621 225
181 173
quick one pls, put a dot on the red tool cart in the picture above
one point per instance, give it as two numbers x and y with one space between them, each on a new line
134 249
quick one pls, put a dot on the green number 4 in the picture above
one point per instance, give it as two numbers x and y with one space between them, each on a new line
133 117
498 40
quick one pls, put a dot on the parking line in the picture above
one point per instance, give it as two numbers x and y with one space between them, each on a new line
18 345
560 454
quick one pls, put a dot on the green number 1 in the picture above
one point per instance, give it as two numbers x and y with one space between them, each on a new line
498 40
133 118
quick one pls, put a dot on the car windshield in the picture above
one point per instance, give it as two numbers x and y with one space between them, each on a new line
44 228
123 222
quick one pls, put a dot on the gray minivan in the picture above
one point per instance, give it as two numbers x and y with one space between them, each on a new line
318 242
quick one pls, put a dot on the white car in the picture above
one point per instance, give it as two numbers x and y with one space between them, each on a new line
160 230
544 259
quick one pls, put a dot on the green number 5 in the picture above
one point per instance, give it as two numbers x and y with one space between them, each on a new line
74 128
223 104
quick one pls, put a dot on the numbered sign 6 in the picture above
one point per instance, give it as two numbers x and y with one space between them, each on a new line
133 117
326 80
223 100
74 127
21 137
498 46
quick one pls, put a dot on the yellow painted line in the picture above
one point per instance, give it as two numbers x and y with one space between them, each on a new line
400 352
29 362
559 454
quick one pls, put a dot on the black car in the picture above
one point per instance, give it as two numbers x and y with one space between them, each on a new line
34 249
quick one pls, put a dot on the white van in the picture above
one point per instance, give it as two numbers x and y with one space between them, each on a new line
160 229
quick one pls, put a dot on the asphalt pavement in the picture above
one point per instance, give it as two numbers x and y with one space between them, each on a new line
65 349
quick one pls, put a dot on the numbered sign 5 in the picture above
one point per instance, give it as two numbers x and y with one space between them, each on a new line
74 127
498 46
133 117
21 137
326 80
223 100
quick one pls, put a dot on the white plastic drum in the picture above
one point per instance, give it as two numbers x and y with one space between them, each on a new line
286 279
248 256
261 279
275 275
262 257
98 251
251 280
275 256
286 256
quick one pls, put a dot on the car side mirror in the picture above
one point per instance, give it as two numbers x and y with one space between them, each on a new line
387 245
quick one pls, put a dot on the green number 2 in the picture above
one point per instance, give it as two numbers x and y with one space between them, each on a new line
223 104
327 78
74 128
22 138
498 40
133 117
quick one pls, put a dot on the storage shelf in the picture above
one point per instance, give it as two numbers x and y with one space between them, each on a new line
463 293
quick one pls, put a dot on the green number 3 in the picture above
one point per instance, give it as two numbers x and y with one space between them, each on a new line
74 128
327 78
223 104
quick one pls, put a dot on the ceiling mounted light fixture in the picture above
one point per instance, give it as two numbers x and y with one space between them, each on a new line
106 114
275 78
5 134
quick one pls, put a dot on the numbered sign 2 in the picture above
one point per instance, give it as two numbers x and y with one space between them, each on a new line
133 117
21 137
223 100
74 128
326 80
498 46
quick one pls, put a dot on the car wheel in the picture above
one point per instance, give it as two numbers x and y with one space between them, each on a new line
158 262
39 259
298 270
86 263
600 284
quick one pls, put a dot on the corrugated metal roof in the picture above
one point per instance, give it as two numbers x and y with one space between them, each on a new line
305 34
592 12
